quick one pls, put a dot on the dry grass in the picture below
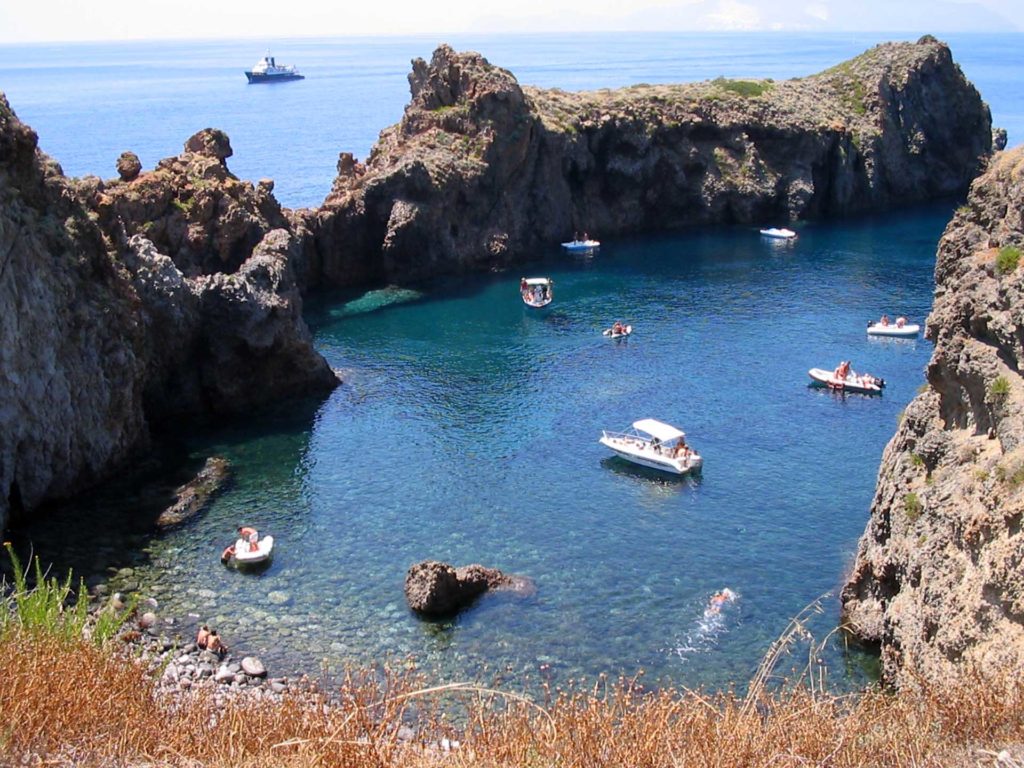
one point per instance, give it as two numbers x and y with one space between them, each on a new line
70 703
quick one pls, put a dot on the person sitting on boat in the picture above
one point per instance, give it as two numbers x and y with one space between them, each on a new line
682 449
618 328
250 536
656 445
884 321
901 321
843 370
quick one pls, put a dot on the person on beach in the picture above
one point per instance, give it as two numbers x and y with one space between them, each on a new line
203 637
215 644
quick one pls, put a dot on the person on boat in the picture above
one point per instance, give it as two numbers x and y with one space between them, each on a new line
618 328
656 445
523 285
884 321
250 536
843 370
682 449
901 321
228 553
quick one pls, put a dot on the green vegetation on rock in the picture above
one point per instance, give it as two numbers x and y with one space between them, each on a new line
745 88
912 506
1008 259
999 388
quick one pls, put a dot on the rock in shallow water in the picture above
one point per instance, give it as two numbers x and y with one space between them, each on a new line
434 588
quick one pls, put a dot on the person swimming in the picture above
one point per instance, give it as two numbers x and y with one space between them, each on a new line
719 600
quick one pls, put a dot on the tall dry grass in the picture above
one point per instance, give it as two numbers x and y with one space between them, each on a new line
76 704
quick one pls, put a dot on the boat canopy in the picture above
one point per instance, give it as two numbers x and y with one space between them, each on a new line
537 280
658 429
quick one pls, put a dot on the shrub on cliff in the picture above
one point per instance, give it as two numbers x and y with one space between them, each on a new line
1008 259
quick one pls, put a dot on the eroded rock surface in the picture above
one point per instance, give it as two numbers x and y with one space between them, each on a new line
195 495
481 171
939 578
434 588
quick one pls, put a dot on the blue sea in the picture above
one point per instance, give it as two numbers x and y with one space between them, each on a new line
467 426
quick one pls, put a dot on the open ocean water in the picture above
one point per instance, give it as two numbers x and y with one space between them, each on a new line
467 426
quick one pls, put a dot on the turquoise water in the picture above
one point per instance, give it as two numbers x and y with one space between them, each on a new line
467 426
467 431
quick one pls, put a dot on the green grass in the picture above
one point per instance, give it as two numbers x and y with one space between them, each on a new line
1008 259
53 606
916 460
745 88
912 506
999 388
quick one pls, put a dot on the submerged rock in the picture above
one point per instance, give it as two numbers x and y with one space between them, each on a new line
434 588
194 496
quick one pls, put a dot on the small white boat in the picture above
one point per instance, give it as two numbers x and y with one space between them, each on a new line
244 554
905 331
779 234
536 291
612 333
652 443
582 245
861 383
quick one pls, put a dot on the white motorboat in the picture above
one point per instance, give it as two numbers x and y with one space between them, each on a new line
244 554
779 234
652 443
862 383
898 330
536 291
582 245
625 330
267 70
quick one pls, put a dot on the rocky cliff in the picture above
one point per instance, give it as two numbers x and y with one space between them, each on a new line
481 171
128 302
939 576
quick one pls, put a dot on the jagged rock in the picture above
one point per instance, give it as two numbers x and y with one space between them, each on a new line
128 166
433 588
210 142
194 496
998 139
70 373
482 171
938 582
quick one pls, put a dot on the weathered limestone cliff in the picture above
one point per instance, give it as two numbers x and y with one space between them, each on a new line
481 171
939 577
130 302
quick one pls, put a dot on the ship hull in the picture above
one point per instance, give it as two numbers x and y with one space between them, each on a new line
255 77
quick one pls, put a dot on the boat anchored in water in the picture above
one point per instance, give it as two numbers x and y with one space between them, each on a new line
778 234
618 330
536 291
249 549
900 329
652 443
845 379
582 245
267 70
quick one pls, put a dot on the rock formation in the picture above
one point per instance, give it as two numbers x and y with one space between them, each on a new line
481 171
938 581
103 334
195 495
433 588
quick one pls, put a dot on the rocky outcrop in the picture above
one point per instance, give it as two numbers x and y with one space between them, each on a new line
70 368
481 171
433 588
128 303
195 495
938 581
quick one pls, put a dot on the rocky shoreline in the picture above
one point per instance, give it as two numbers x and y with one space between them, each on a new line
938 583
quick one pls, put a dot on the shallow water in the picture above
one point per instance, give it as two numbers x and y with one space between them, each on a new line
467 430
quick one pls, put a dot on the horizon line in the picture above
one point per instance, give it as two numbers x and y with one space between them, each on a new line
516 33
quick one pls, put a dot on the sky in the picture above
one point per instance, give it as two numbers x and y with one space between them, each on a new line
68 20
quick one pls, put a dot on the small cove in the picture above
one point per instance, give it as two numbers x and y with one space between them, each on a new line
467 430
